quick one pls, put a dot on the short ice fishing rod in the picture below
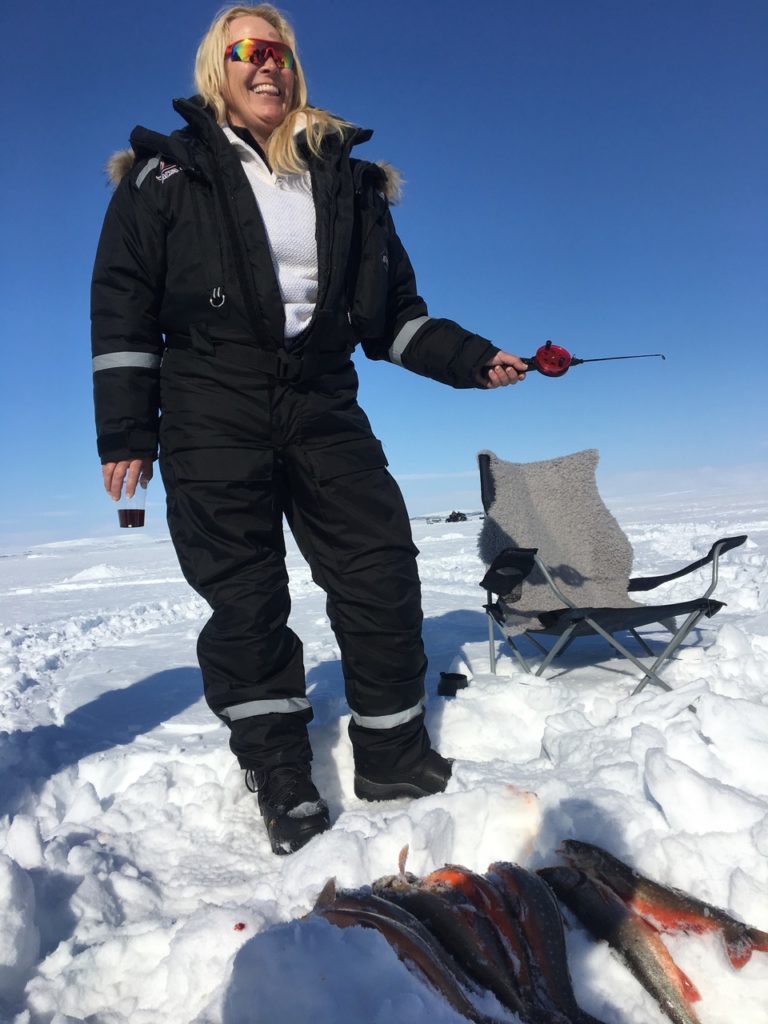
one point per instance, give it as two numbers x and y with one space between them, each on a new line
554 361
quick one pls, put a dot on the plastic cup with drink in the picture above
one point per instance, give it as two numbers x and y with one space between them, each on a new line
130 511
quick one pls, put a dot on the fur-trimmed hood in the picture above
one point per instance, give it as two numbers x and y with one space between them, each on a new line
123 160
119 164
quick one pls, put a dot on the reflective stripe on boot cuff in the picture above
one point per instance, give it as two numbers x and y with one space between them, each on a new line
252 708
388 721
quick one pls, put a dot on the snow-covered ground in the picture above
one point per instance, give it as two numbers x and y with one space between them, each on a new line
136 881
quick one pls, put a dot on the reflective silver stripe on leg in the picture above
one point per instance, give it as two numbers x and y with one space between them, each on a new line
403 339
117 359
252 708
388 721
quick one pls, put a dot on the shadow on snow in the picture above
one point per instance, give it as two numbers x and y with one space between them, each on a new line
115 718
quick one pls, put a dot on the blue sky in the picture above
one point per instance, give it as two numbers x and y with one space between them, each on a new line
591 171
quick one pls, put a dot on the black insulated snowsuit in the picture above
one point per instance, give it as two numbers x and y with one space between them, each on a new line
189 353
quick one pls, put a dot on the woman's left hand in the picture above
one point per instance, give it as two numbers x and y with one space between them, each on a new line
134 472
501 370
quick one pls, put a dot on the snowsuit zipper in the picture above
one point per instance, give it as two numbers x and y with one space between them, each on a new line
208 229
241 263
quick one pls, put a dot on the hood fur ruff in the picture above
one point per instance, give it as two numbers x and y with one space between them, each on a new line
120 163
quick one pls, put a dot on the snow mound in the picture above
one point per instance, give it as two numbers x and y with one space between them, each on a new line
96 572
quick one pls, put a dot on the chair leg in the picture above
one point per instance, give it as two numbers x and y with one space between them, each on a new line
492 646
642 642
567 644
562 641
491 643
669 650
520 657
532 640
649 675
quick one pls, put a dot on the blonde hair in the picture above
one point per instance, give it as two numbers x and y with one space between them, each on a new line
282 151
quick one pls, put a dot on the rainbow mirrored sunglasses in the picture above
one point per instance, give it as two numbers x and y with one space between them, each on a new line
258 52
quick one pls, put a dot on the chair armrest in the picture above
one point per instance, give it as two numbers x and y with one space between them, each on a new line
507 572
717 549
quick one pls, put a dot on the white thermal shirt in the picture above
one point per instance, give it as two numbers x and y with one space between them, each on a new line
288 211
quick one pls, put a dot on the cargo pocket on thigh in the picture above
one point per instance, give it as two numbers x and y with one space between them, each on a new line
221 509
357 510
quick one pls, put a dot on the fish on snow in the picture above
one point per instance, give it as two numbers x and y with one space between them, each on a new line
667 908
606 916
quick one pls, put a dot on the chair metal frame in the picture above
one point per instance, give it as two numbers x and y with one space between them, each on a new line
572 621
564 638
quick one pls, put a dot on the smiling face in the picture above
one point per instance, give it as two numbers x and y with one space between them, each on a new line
256 98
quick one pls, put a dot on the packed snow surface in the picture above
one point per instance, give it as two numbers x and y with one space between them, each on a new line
136 880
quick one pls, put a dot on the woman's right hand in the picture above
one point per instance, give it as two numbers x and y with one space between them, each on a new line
132 472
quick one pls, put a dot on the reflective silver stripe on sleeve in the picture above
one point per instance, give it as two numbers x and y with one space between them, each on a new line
147 169
388 721
252 708
117 359
403 338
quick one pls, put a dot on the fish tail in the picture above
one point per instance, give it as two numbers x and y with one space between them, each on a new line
738 948
741 941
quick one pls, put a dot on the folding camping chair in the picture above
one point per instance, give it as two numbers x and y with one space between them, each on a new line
559 564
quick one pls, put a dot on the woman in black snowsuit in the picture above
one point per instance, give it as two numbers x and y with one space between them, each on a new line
241 260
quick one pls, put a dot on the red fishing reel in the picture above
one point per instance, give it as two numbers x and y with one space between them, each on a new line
554 360
551 360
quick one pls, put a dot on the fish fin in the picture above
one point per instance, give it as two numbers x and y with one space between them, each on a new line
327 895
670 919
402 858
690 992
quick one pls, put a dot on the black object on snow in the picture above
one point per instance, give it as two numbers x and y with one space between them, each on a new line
450 682
456 517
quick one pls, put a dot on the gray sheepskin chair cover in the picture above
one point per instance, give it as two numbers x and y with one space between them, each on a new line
555 506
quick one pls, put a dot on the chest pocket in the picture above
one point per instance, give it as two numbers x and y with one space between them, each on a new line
369 264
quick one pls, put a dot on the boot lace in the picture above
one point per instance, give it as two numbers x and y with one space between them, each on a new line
284 786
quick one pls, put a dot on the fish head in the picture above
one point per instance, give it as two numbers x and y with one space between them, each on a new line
562 879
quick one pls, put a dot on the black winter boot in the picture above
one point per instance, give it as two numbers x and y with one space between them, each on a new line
292 808
429 776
